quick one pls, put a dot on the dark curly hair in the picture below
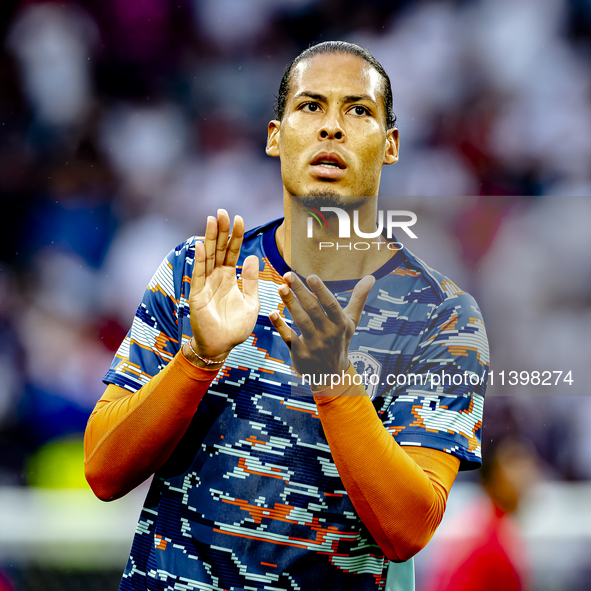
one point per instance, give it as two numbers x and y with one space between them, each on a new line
336 47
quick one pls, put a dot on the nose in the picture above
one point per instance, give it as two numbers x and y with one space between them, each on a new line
331 129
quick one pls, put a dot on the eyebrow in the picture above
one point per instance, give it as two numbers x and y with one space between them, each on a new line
351 98
354 98
309 94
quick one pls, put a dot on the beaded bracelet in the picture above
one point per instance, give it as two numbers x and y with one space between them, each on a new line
205 360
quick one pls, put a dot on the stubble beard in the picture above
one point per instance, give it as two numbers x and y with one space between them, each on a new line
329 198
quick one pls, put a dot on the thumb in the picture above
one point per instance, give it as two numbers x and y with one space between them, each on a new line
250 278
355 306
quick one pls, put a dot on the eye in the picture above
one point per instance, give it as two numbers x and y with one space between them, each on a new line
359 110
310 107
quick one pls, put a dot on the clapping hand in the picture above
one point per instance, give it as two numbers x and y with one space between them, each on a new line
222 316
326 327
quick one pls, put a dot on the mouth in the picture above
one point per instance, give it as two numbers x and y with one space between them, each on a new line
328 167
330 160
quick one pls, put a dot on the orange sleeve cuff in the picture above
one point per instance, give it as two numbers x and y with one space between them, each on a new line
400 494
130 435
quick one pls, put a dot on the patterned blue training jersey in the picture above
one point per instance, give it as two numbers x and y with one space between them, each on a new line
251 497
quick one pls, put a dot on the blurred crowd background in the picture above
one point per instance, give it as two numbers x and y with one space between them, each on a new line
124 123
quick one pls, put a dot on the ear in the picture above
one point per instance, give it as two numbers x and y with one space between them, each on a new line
391 152
272 148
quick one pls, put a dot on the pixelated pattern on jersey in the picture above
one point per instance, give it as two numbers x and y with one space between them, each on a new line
251 498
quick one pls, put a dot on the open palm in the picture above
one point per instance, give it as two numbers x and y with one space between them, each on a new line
222 316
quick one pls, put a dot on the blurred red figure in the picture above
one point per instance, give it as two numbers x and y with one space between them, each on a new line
4 583
490 556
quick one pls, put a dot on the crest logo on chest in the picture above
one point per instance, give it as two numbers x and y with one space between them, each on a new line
369 368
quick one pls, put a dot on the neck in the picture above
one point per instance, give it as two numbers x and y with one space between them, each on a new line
326 254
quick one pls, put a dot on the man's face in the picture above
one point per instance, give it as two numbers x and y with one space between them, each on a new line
332 139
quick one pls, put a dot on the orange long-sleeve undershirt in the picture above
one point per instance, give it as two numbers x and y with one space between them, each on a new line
131 435
400 494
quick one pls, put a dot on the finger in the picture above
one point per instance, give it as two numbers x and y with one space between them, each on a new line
233 251
298 314
250 278
198 277
285 332
307 300
354 308
286 296
211 234
223 233
330 305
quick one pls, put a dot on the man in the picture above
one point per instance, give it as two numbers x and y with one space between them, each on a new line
258 485
490 554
